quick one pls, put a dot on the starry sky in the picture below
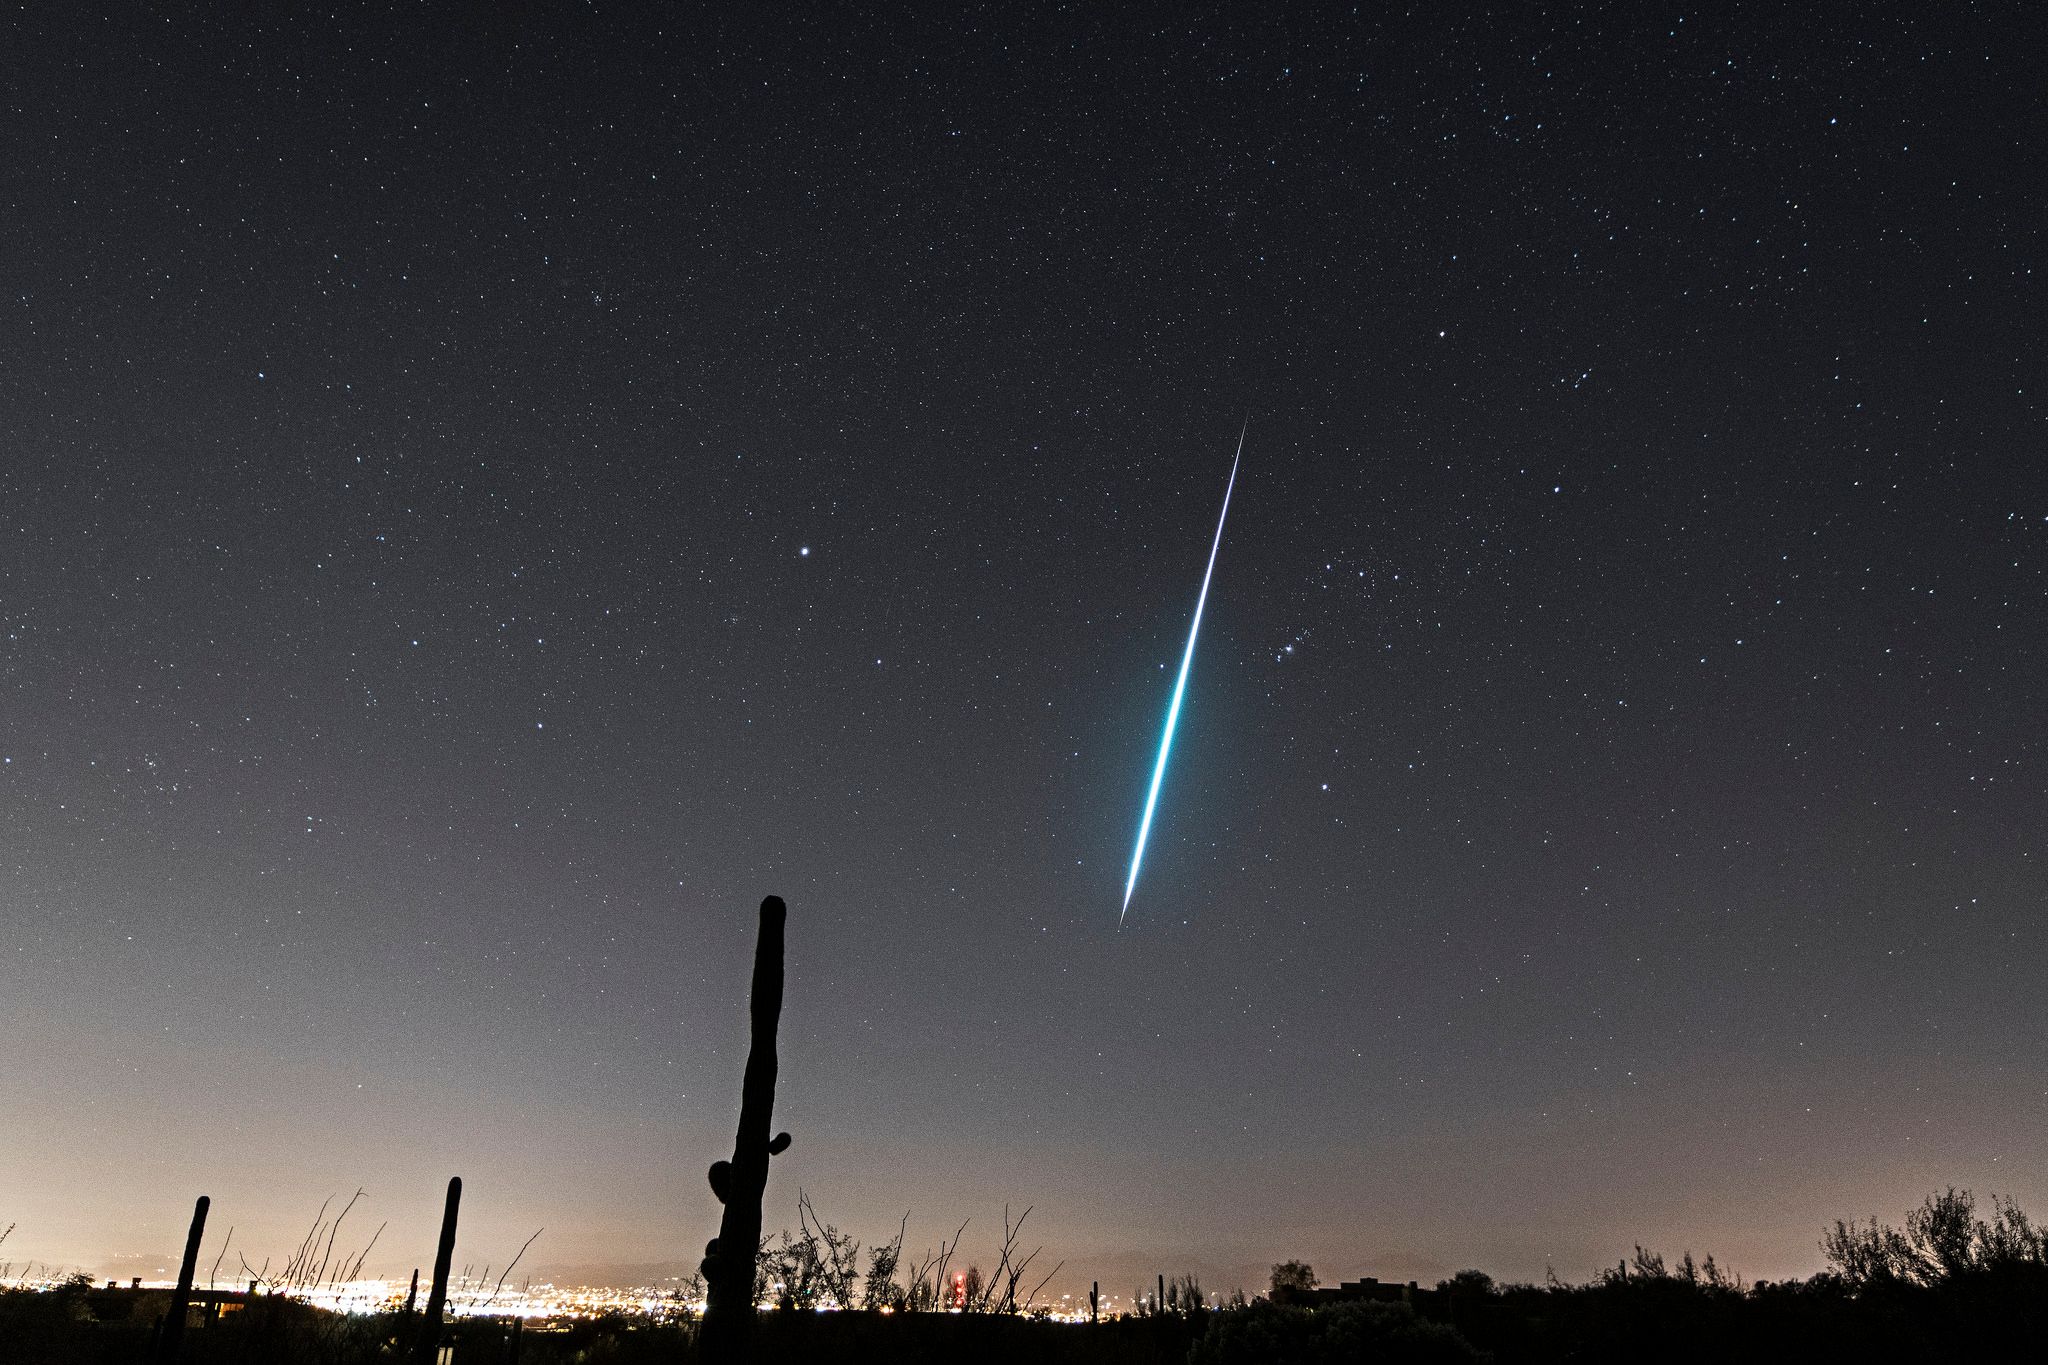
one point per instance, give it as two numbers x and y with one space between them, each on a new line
488 493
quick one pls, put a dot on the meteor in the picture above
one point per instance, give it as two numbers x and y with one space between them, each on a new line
1180 688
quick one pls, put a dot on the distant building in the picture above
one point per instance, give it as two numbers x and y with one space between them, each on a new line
204 1306
1428 1302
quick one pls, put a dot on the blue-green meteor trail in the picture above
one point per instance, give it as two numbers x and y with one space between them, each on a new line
1180 688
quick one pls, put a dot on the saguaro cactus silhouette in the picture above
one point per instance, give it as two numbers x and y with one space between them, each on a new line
172 1334
429 1337
739 1183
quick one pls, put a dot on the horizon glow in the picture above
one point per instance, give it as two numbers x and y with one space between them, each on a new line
1180 687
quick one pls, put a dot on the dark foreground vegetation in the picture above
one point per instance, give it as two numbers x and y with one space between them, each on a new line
1950 1286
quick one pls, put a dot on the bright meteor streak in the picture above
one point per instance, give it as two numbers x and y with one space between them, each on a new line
1180 688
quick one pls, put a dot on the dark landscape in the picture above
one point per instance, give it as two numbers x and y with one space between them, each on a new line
1950 1285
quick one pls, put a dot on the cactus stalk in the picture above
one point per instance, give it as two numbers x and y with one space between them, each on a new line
739 1184
172 1334
437 1298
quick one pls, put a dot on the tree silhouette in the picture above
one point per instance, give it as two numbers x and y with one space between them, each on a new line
1293 1277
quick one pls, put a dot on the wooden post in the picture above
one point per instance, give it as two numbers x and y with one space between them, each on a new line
173 1334
437 1297
1094 1298
739 1184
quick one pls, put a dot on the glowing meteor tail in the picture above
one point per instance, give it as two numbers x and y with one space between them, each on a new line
1180 688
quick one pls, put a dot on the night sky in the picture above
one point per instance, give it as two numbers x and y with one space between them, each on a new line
486 495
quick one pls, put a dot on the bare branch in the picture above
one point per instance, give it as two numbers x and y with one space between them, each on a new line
355 1272
508 1269
1042 1283
223 1255
321 1273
